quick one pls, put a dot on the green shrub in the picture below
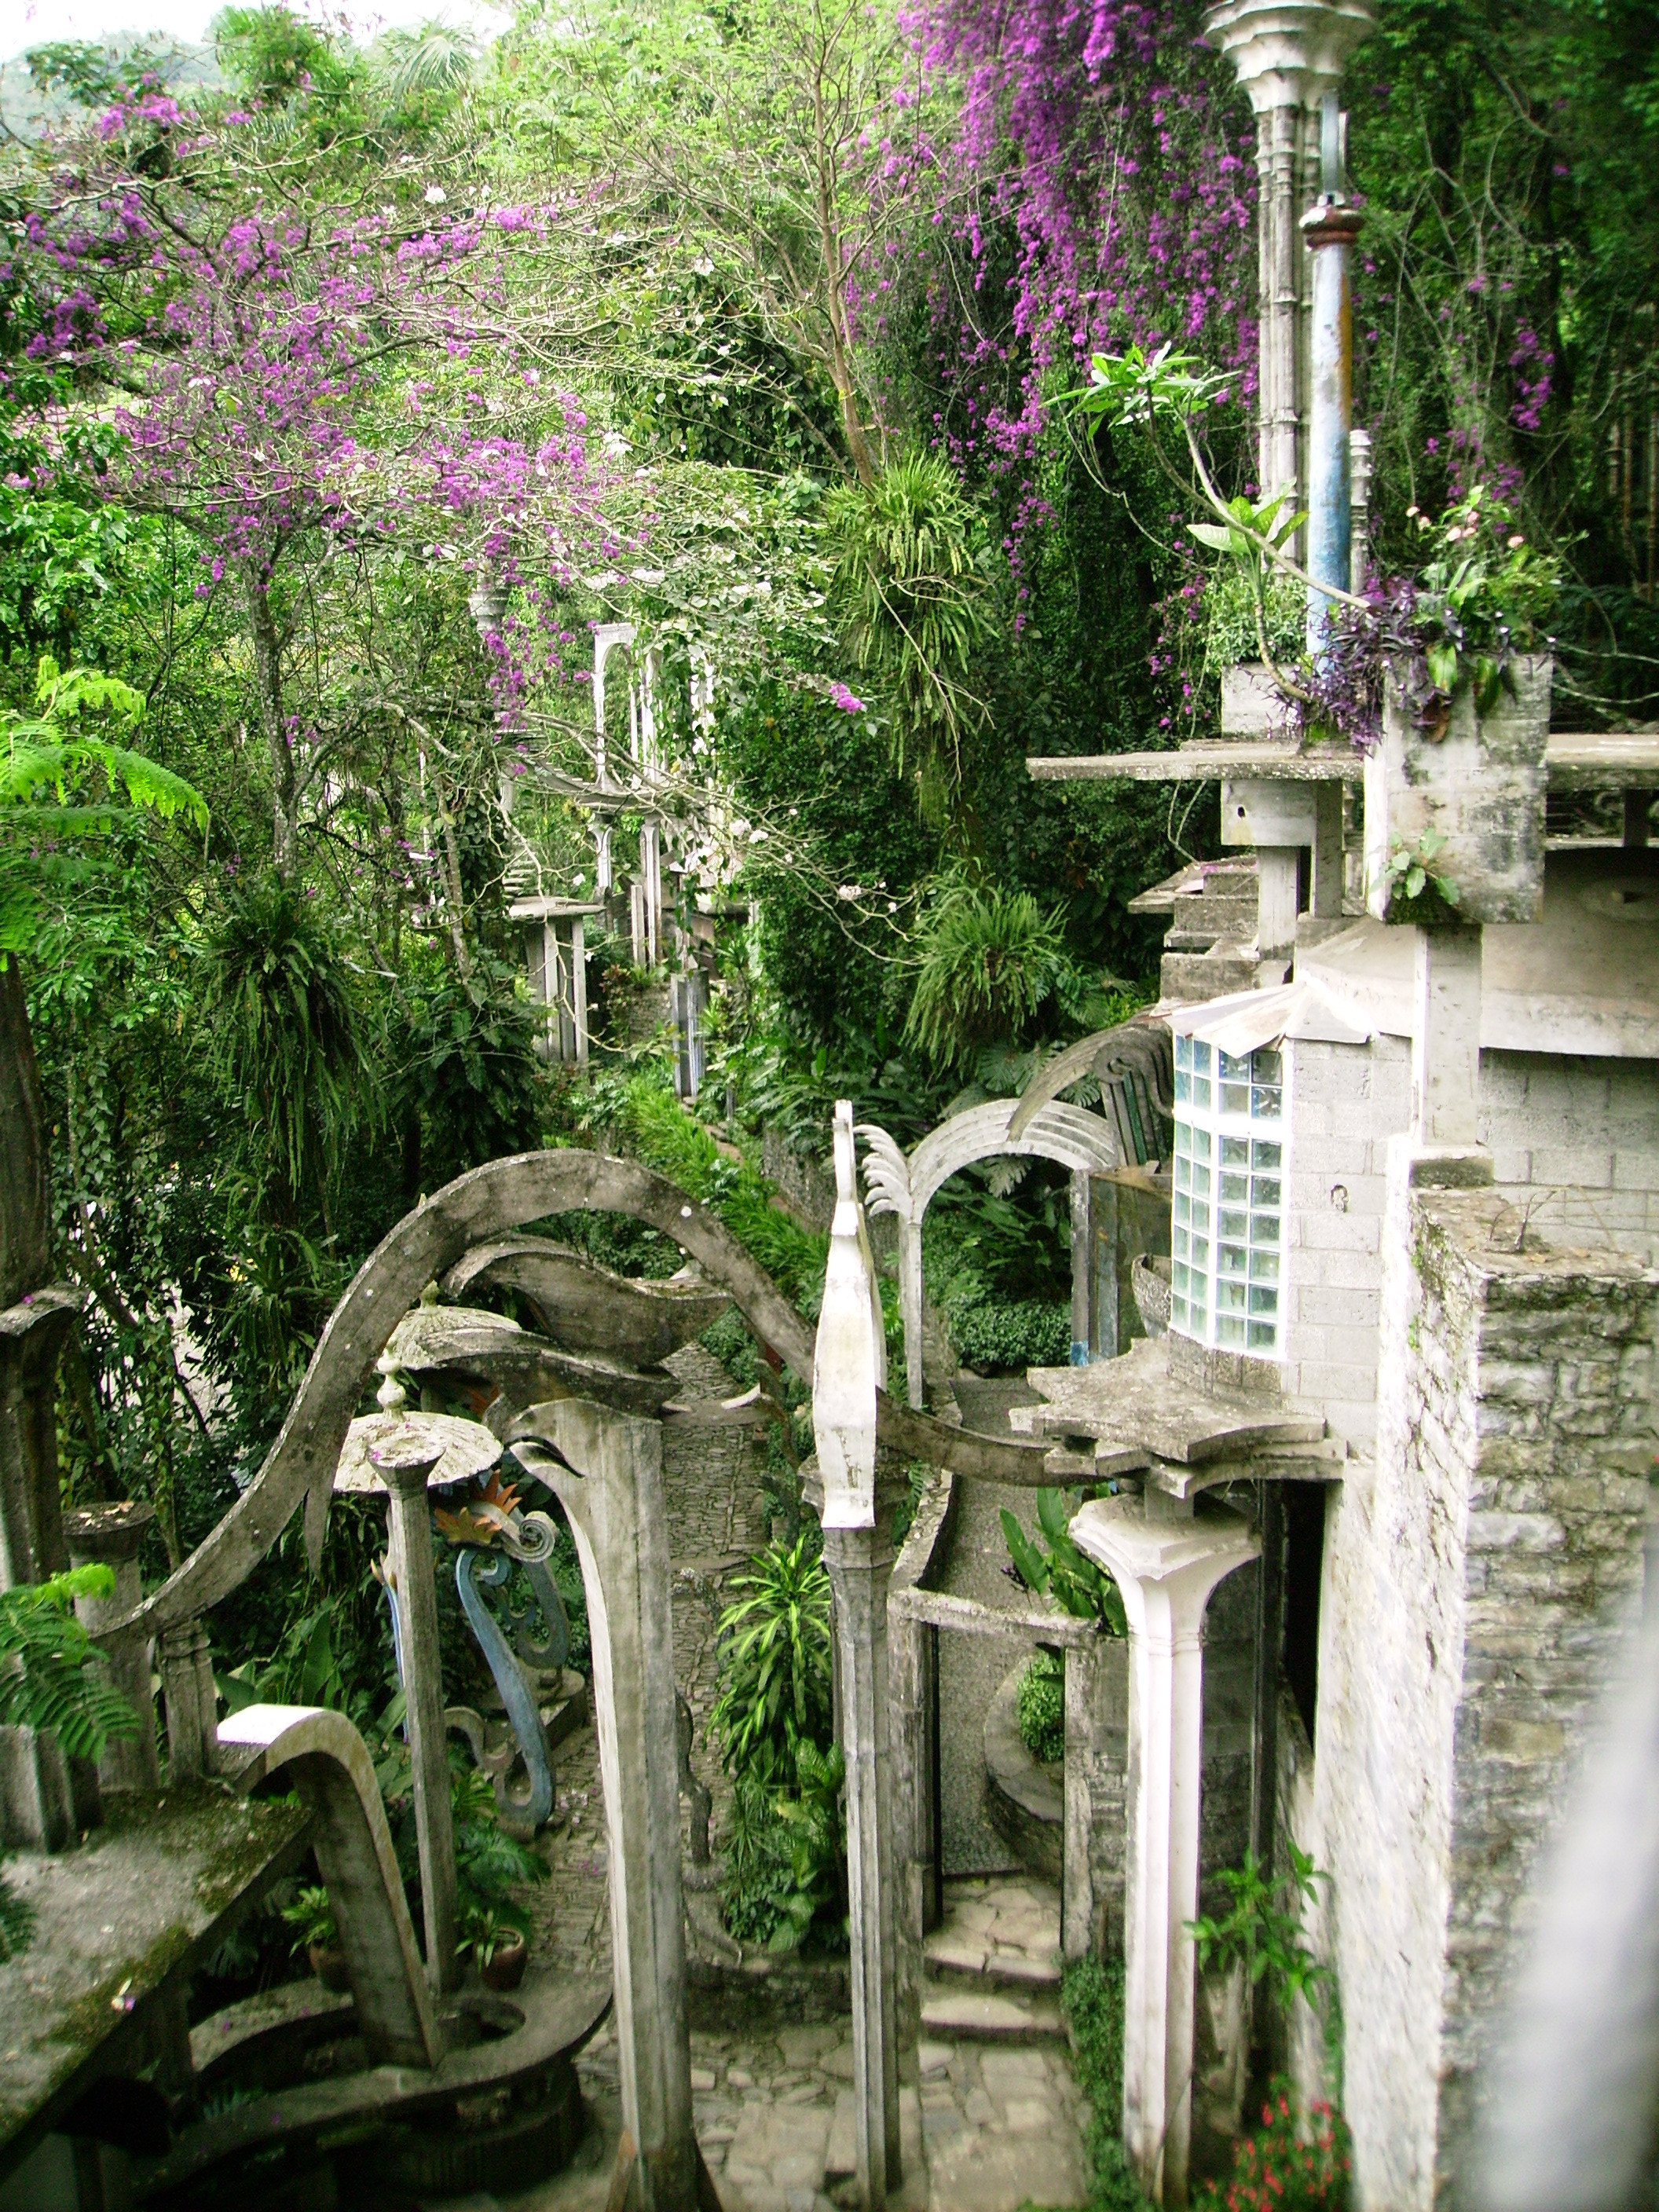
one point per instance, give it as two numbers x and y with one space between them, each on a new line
776 1687
784 1854
1092 1999
1029 1333
1043 1707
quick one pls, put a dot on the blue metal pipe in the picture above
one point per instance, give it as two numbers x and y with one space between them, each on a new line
1330 227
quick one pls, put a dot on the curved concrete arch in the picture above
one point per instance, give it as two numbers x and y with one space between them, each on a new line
906 1184
336 1780
501 1196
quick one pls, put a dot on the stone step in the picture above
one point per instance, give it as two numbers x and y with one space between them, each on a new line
982 2015
958 1959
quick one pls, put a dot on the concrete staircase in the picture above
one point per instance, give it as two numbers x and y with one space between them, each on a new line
992 1965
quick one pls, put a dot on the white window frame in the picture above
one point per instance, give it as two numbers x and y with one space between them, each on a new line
1232 1118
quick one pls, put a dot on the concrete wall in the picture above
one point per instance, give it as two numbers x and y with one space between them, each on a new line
1479 1578
1575 1144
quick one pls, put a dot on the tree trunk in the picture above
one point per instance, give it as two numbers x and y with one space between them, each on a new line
25 1205
268 682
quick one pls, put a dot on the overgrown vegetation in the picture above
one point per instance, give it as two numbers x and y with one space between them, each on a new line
1041 1707
775 1721
1091 2000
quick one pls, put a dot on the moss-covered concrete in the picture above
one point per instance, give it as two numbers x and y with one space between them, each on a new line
130 1912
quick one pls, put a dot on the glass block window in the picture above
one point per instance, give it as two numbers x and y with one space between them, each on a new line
1227 1232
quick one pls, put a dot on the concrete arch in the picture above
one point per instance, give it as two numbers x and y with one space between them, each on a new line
503 1195
906 1184
335 1781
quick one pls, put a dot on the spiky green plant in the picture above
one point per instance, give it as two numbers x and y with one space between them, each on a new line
776 1692
287 1043
912 594
49 1677
990 959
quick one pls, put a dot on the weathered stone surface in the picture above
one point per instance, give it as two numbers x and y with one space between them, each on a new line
585 1307
1135 1411
1484 1596
129 1914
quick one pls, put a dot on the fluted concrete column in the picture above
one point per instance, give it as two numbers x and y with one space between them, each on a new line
608 1477
1287 54
1165 1569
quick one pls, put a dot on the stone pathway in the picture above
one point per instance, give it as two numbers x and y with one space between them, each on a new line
990 2115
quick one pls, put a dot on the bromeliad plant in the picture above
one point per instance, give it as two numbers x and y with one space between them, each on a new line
1413 875
1062 1573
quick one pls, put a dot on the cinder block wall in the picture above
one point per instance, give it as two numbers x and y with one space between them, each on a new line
1480 1581
1575 1145
1346 1101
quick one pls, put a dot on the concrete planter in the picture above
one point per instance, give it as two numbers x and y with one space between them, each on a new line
1481 786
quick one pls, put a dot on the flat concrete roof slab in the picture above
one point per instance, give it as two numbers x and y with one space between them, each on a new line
1581 979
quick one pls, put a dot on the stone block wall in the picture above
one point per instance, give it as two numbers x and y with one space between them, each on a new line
1575 1145
1479 1580
1096 1780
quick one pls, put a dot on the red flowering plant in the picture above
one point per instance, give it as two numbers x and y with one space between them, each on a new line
1291 2164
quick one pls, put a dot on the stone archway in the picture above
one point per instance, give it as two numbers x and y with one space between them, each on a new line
906 1184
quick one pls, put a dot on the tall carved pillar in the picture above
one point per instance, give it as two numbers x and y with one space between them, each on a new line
608 1477
849 1367
1287 54
1165 1569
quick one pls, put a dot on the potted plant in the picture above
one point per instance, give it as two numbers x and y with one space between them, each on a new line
312 1917
1455 785
497 1944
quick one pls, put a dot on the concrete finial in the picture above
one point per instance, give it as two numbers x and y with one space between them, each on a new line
850 1362
1288 54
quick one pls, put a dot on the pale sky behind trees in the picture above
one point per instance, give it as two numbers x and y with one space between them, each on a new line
25 23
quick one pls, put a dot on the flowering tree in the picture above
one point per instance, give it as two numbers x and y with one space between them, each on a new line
288 382
1107 150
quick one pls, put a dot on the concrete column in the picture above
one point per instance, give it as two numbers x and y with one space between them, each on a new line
861 1564
1165 1569
406 1461
32 1335
1446 1039
578 985
1287 54
1360 503
1278 871
910 1298
1279 296
849 1368
608 1477
184 1660
1325 890
112 1536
